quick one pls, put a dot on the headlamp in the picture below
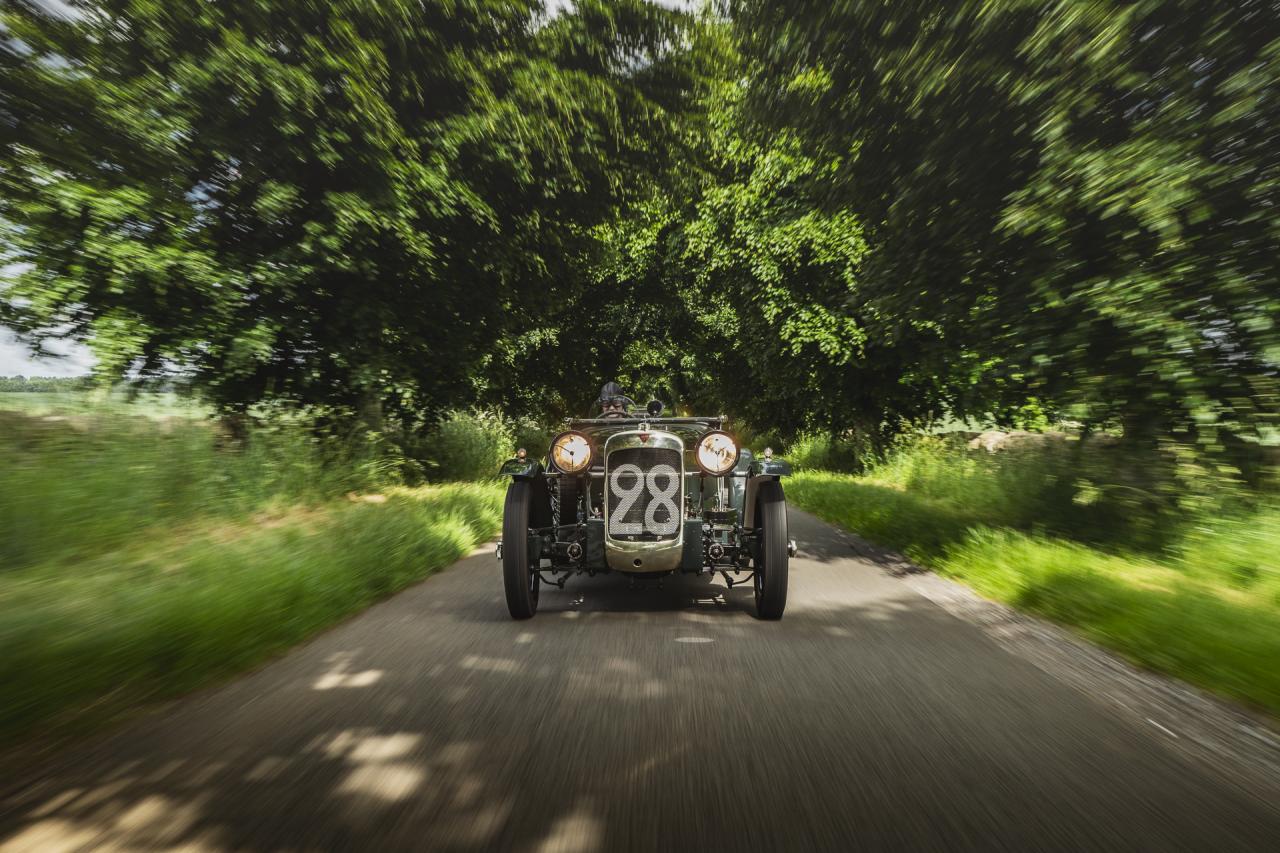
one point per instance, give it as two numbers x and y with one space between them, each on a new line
717 453
571 452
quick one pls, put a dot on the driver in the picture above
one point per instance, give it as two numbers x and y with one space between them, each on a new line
613 403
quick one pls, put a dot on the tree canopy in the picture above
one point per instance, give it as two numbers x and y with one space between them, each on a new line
321 202
858 215
1080 196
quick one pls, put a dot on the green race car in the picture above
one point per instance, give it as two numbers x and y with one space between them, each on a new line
646 495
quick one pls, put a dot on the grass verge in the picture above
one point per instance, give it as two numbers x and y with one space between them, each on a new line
175 611
1204 607
141 558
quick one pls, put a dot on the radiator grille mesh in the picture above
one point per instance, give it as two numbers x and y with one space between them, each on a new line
645 494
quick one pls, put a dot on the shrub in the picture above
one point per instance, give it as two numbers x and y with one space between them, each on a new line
824 452
469 445
534 437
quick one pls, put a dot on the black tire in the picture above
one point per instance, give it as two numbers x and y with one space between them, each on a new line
519 575
772 561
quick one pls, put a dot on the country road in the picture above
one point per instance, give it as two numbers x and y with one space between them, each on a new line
662 719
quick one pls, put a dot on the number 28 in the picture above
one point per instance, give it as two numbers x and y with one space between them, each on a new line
660 496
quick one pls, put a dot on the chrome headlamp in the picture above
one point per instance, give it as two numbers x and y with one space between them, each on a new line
717 453
571 452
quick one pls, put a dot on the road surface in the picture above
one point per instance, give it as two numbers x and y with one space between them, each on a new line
868 718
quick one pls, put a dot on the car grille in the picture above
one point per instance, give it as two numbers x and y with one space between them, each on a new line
644 494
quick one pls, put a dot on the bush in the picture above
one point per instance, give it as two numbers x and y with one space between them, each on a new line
824 452
534 437
469 445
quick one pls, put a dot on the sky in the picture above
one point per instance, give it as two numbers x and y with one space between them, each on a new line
58 7
16 360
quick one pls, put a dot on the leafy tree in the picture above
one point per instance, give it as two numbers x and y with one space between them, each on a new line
740 293
1070 201
341 203
853 215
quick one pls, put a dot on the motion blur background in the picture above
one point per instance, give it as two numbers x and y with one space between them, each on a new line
1002 277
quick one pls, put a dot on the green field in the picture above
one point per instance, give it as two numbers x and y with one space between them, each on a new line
1195 595
149 405
142 557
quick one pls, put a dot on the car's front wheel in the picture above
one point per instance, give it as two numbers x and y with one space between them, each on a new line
772 557
519 572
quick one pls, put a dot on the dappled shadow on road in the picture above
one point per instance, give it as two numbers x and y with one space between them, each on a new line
634 720
594 596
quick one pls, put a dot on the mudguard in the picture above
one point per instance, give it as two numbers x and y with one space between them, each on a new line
769 468
521 469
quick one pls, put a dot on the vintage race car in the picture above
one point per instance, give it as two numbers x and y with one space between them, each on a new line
645 495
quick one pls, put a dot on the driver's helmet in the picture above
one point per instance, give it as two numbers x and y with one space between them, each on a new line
613 403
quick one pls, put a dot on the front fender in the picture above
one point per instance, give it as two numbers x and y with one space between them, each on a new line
769 468
760 470
521 469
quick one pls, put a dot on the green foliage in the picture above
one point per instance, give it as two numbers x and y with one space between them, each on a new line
169 612
100 401
730 294
1059 532
1237 550
45 384
143 556
1198 627
534 437
1071 201
76 483
823 217
769 277
1095 490
823 452
470 446
331 203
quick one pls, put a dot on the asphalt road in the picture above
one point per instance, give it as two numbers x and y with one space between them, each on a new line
672 719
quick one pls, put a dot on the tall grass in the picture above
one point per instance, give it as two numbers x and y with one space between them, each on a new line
472 445
823 452
163 616
140 558
72 485
1180 573
100 401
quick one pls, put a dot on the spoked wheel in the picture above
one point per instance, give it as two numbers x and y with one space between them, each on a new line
519 572
772 560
